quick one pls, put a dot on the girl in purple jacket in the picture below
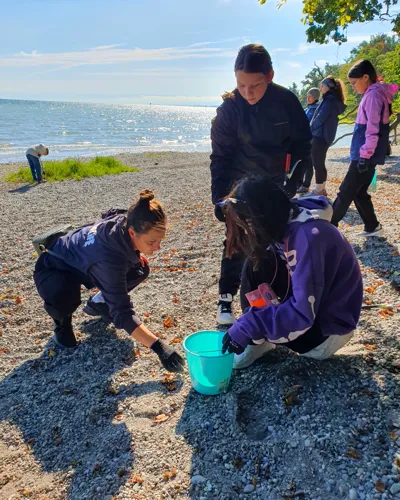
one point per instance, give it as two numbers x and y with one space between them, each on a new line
368 146
309 265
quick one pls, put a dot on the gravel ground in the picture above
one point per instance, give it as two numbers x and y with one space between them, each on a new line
82 424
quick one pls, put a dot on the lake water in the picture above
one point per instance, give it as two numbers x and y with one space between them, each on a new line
85 129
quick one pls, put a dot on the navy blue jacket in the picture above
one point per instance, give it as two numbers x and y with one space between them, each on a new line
103 254
254 139
310 110
326 118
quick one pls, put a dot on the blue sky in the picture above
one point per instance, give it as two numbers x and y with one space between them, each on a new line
141 51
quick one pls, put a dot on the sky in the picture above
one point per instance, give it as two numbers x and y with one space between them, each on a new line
158 51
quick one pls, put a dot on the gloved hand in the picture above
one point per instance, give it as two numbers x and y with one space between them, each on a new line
170 359
363 165
219 214
230 345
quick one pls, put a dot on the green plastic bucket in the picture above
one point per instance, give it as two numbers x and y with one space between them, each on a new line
209 369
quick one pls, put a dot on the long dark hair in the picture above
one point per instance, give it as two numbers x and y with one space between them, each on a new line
336 87
146 213
256 213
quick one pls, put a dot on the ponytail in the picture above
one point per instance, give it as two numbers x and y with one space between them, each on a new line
335 86
146 213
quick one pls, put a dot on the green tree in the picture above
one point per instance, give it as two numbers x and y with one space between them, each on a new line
327 19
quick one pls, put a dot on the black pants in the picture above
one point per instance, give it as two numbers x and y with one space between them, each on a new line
229 281
308 173
61 290
319 150
272 266
355 188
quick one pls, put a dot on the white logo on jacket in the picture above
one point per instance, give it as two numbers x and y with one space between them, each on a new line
91 236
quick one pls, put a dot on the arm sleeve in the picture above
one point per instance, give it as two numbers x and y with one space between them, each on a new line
111 281
322 113
299 130
373 110
223 144
287 321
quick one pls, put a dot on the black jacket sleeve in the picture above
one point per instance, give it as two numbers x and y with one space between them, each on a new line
223 145
300 132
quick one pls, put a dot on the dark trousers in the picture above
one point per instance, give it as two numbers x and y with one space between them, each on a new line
61 290
308 173
355 188
271 266
319 150
36 168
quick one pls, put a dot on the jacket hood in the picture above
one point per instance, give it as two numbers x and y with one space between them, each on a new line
312 208
386 90
115 238
339 104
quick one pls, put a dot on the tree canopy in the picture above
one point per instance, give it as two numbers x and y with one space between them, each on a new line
384 53
327 19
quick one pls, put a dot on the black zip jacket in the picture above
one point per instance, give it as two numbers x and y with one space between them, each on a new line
254 139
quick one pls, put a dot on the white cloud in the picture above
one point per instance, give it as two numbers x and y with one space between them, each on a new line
358 38
279 49
321 62
101 56
293 64
104 47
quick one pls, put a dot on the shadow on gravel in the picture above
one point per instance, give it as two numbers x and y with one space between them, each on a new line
287 425
391 170
23 189
64 405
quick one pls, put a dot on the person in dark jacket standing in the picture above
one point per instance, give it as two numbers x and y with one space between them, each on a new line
324 125
308 270
313 96
108 255
368 145
260 128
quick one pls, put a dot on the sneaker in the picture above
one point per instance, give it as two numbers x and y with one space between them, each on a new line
303 190
314 192
376 232
251 354
98 309
63 333
224 314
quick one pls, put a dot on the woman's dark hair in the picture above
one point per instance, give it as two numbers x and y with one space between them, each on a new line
253 58
257 219
363 67
146 213
336 87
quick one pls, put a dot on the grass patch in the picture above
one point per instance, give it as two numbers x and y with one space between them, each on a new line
61 170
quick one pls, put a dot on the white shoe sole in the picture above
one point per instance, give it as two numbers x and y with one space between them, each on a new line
251 354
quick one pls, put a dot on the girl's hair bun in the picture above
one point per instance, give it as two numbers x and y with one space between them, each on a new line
146 196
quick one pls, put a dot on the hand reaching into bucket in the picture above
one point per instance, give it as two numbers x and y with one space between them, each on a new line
170 359
230 345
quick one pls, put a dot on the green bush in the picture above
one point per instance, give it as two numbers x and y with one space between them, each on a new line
70 168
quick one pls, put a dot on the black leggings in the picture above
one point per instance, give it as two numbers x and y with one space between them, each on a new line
319 150
281 285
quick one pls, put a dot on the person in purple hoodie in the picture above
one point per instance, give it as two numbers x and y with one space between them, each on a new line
368 146
308 263
109 255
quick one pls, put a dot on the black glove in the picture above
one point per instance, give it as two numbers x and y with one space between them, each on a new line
170 359
219 214
362 165
230 345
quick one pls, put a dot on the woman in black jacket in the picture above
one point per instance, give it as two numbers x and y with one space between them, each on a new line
323 128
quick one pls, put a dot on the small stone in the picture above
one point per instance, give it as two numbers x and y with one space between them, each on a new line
353 494
249 488
395 488
307 443
397 391
270 428
198 480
